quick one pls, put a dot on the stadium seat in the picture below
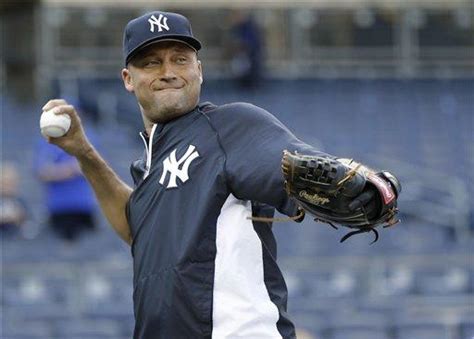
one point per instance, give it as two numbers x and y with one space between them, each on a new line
419 331
398 280
127 326
450 280
467 329
17 329
87 329
358 333
337 283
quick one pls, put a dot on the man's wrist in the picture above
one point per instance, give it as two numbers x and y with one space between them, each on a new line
86 152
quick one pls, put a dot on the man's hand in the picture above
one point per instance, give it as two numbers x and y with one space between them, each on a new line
74 141
111 192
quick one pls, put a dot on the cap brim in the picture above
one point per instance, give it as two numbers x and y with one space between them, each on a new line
189 41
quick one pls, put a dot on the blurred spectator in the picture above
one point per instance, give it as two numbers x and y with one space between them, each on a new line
12 207
246 49
70 201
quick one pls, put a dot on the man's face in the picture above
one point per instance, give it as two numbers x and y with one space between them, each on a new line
166 79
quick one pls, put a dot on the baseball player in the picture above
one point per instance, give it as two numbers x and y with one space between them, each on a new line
202 267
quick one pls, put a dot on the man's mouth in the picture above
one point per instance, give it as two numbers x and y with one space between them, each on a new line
169 88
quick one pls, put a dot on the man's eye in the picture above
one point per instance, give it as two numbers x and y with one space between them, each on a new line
182 60
151 63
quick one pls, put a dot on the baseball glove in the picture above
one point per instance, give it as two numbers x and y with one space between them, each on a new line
342 192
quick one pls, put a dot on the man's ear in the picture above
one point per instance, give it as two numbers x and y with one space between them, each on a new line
127 80
200 71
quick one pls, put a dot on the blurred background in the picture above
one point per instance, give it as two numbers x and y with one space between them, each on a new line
389 83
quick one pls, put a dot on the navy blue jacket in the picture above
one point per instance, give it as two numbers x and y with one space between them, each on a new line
202 269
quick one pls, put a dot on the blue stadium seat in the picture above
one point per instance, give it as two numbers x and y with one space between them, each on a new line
450 280
397 280
310 320
107 296
418 331
26 330
358 333
467 328
127 326
87 329
342 282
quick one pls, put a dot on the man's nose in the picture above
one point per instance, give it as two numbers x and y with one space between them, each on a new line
167 72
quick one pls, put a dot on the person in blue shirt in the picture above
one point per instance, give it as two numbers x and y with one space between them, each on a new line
69 199
204 267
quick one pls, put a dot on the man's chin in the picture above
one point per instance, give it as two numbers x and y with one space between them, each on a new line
172 99
168 111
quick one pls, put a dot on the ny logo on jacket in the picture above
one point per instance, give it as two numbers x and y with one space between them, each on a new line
172 166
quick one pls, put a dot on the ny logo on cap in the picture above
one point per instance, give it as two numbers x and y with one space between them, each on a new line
161 23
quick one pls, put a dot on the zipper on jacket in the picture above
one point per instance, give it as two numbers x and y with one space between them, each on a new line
149 150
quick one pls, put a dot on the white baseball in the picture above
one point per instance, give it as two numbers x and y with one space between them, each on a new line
54 125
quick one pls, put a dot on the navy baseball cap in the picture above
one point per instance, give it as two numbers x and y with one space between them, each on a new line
157 26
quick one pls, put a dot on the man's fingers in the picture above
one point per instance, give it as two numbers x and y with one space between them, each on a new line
361 200
64 109
59 107
53 103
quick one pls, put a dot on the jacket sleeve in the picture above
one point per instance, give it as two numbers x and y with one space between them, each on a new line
253 141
